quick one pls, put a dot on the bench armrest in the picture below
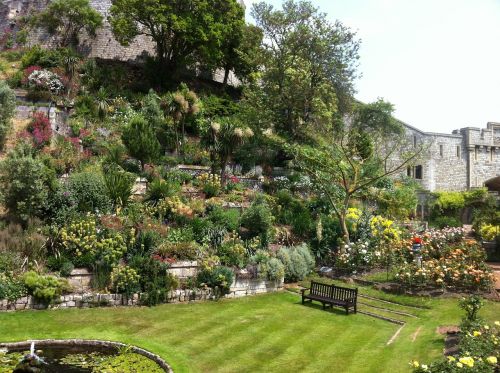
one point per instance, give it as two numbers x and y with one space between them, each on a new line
302 291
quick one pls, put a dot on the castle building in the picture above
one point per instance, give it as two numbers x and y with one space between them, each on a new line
466 158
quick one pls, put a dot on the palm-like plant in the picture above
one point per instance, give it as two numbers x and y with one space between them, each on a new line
102 103
179 106
222 139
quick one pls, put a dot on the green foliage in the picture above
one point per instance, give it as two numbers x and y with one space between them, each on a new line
449 201
258 220
309 69
46 57
140 140
25 182
88 190
155 281
396 201
125 280
67 18
119 186
298 262
185 32
44 288
11 287
7 106
228 219
184 250
160 189
269 268
217 278
471 305
293 211
446 221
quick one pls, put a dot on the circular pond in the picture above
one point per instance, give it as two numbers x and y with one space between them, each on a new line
76 355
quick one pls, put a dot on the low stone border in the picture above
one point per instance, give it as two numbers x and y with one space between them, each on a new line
90 343
240 288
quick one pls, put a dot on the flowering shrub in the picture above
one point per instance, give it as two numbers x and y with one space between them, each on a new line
40 130
447 260
45 80
125 280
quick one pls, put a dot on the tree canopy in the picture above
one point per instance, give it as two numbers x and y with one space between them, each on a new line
309 65
67 18
184 31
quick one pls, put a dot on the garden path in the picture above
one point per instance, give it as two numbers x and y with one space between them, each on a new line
496 272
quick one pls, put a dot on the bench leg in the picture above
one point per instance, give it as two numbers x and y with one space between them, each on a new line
347 310
302 299
355 308
323 305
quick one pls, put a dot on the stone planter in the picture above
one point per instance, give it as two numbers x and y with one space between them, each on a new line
184 269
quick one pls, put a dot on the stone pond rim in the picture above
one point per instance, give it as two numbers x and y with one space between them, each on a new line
89 343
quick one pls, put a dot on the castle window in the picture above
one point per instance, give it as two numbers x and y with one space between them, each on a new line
492 154
441 150
475 153
418 172
408 172
458 151
414 141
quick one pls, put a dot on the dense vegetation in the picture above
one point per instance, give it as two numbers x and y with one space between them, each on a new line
268 178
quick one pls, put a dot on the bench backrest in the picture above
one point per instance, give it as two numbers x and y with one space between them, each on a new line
332 291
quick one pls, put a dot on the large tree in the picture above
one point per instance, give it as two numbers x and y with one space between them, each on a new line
184 31
346 166
309 65
67 18
241 52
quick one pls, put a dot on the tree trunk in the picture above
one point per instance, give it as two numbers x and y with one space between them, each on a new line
226 76
343 225
223 172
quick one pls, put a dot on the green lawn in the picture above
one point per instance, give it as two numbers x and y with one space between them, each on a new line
267 333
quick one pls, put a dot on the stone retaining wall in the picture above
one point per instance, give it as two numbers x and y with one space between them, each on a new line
240 288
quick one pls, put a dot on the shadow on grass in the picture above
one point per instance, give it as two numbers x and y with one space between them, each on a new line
319 307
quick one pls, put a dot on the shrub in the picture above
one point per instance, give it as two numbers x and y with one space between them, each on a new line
24 184
125 280
160 189
489 232
219 279
119 186
270 268
40 130
176 251
44 288
7 106
298 262
258 220
232 251
88 190
446 221
11 287
155 281
228 219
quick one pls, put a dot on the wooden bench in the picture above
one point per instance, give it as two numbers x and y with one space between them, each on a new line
332 295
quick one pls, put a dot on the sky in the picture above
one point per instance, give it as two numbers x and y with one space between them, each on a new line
437 61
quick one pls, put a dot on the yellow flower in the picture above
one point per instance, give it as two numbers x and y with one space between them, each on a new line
451 358
492 360
416 364
476 333
497 323
486 327
469 361
460 365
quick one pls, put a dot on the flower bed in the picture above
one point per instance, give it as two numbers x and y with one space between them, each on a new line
447 260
